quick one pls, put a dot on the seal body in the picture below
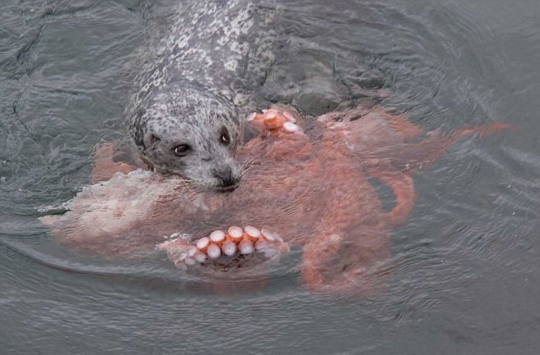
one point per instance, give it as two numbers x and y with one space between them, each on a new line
184 117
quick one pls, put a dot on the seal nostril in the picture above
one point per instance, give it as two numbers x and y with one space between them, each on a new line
226 178
220 179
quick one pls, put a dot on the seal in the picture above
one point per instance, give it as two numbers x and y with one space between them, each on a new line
184 115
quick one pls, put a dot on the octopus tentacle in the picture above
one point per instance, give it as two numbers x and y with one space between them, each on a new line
402 186
236 242
333 264
104 166
333 260
315 254
424 154
400 124
274 121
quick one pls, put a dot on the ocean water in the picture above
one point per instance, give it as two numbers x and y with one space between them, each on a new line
465 275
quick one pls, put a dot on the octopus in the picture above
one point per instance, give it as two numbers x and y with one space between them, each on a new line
305 184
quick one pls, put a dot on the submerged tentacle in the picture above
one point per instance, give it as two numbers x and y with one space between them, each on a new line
424 154
334 265
349 237
315 254
104 166
402 186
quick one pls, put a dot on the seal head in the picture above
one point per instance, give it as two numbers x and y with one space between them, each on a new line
190 131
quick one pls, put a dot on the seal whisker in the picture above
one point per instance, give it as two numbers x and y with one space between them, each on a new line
244 171
246 165
247 161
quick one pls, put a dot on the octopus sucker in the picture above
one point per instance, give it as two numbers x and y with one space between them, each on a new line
203 243
305 182
213 251
269 115
261 245
245 247
252 234
235 233
289 116
291 127
274 120
217 237
192 250
200 257
219 244
229 248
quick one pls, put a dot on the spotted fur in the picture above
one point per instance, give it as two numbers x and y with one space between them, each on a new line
193 80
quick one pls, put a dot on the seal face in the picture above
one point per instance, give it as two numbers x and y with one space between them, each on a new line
191 132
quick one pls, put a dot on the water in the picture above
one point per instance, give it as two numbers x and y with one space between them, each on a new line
465 267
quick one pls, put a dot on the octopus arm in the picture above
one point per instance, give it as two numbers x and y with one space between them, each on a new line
351 238
411 157
402 185
105 164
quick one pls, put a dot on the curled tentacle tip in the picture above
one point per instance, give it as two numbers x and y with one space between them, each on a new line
291 127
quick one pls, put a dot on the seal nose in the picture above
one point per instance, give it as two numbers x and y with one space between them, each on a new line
226 178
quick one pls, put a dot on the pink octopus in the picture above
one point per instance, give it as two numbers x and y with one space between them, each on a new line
305 183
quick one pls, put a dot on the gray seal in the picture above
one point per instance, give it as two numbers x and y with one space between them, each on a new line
184 115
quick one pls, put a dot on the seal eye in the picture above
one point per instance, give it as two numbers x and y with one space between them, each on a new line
225 138
181 150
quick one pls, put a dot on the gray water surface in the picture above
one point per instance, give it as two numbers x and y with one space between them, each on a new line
465 276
